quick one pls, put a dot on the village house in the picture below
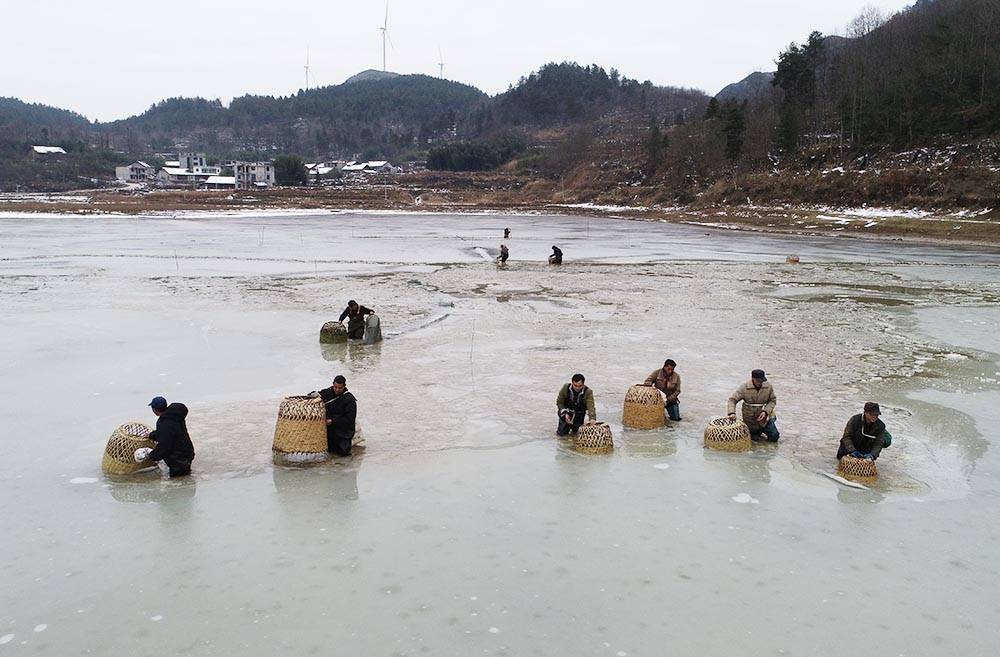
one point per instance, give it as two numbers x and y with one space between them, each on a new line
46 152
136 172
191 161
181 177
373 166
253 175
221 182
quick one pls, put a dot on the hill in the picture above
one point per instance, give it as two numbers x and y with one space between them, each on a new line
371 74
749 87
384 114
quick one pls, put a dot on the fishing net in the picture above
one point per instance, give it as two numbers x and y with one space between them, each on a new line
727 435
332 333
119 455
857 468
643 408
594 437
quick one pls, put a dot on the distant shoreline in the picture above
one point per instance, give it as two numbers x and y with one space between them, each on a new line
974 228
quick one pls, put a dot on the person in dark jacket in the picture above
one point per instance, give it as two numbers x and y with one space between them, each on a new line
865 435
173 444
506 233
341 416
556 257
504 254
355 315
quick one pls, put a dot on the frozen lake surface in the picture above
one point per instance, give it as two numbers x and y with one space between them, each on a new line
466 528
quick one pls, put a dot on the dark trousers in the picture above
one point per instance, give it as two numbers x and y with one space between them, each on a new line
767 432
338 444
178 468
565 428
355 328
674 410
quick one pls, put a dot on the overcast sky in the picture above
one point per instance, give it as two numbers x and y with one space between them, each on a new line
109 59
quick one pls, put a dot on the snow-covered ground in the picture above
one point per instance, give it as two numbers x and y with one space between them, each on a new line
466 528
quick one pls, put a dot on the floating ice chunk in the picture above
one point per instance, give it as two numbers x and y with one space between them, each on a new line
6 638
955 357
83 480
41 627
745 498
662 466
156 619
494 630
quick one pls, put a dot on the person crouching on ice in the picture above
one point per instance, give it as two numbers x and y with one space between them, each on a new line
173 444
865 435
575 401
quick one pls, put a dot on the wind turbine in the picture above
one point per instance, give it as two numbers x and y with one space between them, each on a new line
441 63
307 68
385 35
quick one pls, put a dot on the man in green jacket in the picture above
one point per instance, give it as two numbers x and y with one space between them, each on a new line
759 401
575 401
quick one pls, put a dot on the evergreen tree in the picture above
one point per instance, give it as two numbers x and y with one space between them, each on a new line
290 170
713 109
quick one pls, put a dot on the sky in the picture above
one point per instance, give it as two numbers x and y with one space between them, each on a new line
110 59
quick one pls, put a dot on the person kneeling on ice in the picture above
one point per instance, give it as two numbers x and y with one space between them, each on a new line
574 403
341 416
667 381
865 435
173 444
556 257
355 315
759 401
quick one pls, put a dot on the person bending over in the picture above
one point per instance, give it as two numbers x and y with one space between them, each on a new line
574 402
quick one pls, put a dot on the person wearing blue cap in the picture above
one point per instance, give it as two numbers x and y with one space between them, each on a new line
759 401
173 444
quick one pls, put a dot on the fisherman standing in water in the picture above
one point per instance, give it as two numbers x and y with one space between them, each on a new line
355 315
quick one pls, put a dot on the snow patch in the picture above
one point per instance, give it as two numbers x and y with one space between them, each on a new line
83 480
745 498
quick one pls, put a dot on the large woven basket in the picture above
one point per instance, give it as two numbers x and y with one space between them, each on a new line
852 467
595 438
727 435
332 333
301 426
119 455
643 408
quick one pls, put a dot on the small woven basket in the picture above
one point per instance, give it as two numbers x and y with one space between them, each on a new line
727 435
853 467
119 455
301 426
643 408
594 438
333 333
